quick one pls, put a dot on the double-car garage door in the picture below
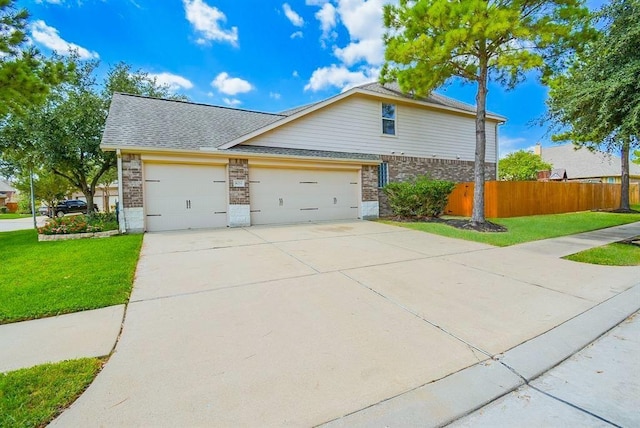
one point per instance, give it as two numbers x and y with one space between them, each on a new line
186 196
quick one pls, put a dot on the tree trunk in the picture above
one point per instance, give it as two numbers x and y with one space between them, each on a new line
624 188
477 216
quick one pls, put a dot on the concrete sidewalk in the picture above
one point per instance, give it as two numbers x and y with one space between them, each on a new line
598 386
64 337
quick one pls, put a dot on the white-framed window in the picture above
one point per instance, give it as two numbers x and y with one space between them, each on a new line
388 119
383 174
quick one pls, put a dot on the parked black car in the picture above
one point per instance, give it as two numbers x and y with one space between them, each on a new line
71 206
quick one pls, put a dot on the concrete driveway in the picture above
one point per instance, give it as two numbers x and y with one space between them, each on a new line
301 325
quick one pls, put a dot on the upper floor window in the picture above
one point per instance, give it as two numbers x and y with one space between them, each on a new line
388 119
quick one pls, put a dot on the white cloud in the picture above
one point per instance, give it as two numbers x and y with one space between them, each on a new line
173 81
231 85
316 2
274 95
295 73
293 17
232 102
297 35
49 37
363 21
206 20
49 1
340 77
368 50
327 17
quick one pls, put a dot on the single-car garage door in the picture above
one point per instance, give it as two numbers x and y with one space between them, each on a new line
301 195
178 196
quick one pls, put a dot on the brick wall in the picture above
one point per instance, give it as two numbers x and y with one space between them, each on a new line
369 183
404 168
239 170
132 181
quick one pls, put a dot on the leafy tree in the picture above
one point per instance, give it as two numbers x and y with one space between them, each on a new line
47 186
66 132
25 76
521 166
596 103
429 42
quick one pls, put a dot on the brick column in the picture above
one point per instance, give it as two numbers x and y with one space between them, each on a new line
239 203
132 199
369 207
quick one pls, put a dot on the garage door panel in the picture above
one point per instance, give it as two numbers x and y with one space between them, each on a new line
296 195
181 196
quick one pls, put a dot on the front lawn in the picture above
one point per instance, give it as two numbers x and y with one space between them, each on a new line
33 397
40 279
616 254
532 228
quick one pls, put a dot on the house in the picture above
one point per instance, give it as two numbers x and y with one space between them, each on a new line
185 165
105 197
585 165
7 193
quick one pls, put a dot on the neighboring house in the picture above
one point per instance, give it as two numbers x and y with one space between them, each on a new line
105 197
585 165
184 165
7 193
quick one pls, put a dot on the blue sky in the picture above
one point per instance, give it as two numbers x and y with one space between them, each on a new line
257 55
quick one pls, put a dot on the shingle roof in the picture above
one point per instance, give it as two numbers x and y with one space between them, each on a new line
583 163
136 121
301 152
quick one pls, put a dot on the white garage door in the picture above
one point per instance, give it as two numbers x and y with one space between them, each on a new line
298 195
180 196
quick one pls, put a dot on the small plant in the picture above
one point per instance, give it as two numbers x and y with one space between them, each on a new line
422 197
98 222
4 210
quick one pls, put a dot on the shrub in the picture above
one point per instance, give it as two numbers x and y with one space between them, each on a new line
4 210
98 222
422 197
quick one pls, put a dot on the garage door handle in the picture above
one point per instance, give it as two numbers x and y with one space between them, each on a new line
281 202
335 201
188 204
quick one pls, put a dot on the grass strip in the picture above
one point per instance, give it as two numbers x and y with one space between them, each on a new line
616 254
40 279
34 396
531 228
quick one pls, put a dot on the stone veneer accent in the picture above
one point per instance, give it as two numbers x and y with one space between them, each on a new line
369 183
369 210
132 185
404 168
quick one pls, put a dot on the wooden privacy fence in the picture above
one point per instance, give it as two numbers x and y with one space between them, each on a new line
523 198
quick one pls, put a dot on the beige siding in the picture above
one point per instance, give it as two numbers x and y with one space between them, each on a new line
355 125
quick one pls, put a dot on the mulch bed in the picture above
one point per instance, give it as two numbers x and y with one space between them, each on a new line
457 223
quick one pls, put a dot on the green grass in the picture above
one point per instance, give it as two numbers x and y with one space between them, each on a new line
41 279
615 254
532 228
13 216
33 397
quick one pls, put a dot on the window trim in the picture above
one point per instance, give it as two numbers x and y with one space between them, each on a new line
394 119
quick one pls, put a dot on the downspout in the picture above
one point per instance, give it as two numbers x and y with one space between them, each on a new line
121 220
497 149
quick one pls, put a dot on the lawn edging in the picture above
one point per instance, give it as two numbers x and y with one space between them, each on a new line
68 236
